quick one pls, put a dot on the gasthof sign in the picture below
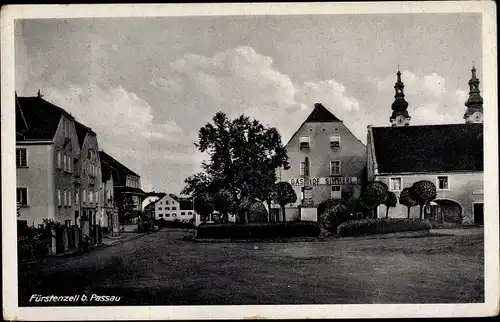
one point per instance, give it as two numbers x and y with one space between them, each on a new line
324 181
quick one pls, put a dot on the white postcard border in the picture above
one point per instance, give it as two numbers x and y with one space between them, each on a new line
491 230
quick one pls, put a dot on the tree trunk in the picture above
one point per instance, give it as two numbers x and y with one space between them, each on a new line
408 212
421 211
387 212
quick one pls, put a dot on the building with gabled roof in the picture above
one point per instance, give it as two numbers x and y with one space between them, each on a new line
450 155
47 152
324 155
127 186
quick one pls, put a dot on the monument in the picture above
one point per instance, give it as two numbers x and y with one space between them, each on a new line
308 211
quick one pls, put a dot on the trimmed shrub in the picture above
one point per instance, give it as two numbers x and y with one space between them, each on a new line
257 213
381 226
259 230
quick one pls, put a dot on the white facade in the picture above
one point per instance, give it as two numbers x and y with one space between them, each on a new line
169 209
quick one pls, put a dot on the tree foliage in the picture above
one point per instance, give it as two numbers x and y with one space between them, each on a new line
257 212
203 204
284 194
224 203
243 158
374 194
405 198
127 208
423 192
390 202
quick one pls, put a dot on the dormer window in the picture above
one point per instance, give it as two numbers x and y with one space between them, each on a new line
304 142
335 141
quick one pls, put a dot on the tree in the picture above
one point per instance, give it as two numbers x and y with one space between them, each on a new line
127 208
406 199
223 203
284 194
257 212
423 192
243 158
203 204
374 195
390 202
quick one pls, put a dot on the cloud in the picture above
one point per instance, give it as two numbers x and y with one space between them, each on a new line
126 128
242 81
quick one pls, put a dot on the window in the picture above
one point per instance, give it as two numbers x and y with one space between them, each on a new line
22 196
91 196
84 195
304 141
59 159
335 168
69 197
65 195
336 192
67 223
77 195
190 213
21 158
167 202
335 141
167 208
167 215
395 184
159 208
443 183
69 164
97 197
183 213
174 215
174 208
160 215
304 168
59 197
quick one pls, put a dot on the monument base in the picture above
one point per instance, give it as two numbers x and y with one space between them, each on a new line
308 213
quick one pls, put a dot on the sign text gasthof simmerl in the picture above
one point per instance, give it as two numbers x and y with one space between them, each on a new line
324 181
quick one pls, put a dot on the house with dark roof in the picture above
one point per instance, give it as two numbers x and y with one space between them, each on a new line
326 157
90 184
127 190
47 158
450 155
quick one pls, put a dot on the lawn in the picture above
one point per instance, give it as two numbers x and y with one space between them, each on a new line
161 269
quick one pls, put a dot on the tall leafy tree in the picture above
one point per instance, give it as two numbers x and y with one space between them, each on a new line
405 198
244 155
223 203
390 202
423 192
127 208
204 204
374 195
284 194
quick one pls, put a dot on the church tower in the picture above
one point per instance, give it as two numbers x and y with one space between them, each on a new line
474 111
400 116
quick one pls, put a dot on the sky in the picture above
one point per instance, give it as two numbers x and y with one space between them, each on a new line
147 85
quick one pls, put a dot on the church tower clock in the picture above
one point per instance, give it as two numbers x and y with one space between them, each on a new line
474 111
400 116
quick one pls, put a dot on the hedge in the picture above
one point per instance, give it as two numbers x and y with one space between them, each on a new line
381 226
259 230
162 223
